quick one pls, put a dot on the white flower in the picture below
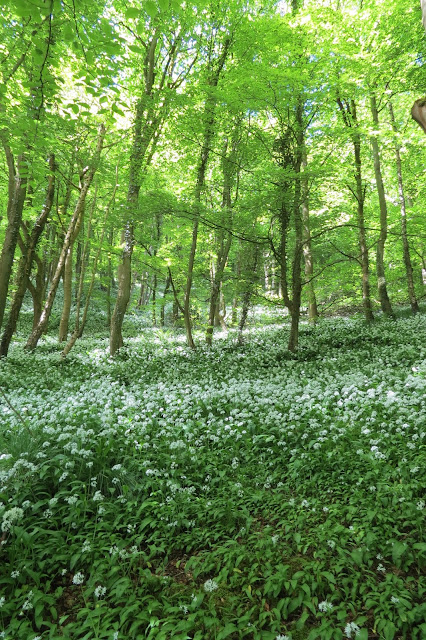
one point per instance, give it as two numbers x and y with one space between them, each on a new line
100 591
325 606
15 574
9 517
2 601
351 628
71 499
78 578
281 637
210 585
420 505
331 544
394 600
98 497
381 568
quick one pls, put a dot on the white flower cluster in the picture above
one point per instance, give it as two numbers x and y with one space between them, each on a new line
210 585
11 517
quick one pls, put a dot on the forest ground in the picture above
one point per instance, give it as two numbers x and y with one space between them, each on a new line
233 492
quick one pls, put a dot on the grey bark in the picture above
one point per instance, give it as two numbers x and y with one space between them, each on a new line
406 248
380 263
78 211
17 186
26 262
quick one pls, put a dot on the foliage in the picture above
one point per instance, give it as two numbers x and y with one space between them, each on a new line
235 492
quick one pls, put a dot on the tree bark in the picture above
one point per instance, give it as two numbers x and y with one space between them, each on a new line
380 263
79 326
78 211
298 227
360 197
209 125
225 239
68 277
406 248
247 294
143 133
17 185
307 249
26 262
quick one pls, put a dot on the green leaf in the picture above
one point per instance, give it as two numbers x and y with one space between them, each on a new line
330 577
132 13
389 630
163 4
356 556
226 631
398 550
151 8
362 634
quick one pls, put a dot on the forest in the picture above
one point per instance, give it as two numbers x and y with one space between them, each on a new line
212 327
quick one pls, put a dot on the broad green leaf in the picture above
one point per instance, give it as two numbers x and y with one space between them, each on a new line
151 8
132 13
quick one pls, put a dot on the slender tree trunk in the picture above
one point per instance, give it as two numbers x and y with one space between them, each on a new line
143 133
360 196
25 264
298 227
380 261
307 249
406 249
39 290
124 278
209 125
67 283
78 212
79 327
247 295
163 302
15 206
237 276
68 277
229 172
109 278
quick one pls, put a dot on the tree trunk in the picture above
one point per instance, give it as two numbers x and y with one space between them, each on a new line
79 327
307 249
124 278
39 290
67 277
229 172
360 196
406 249
17 191
252 268
209 125
109 279
163 301
298 227
145 127
78 212
380 263
25 264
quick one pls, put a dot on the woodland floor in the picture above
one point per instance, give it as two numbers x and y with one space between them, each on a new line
236 492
